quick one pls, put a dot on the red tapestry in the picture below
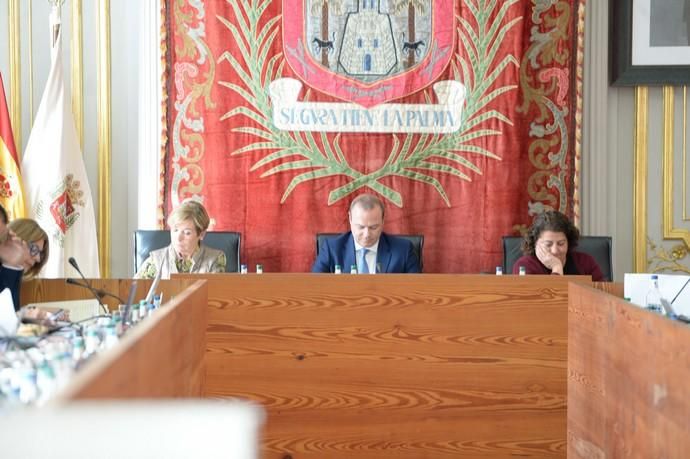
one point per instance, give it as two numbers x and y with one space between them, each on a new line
461 115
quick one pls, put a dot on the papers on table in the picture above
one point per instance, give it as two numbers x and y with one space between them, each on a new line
9 322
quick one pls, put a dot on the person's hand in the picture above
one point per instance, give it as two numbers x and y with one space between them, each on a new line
14 252
32 312
547 259
62 316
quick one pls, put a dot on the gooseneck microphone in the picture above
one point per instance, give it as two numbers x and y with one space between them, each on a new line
97 293
681 290
74 264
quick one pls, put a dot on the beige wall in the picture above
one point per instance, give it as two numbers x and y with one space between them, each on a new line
613 202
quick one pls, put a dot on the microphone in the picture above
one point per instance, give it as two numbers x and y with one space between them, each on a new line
681 290
88 285
128 305
97 292
74 264
680 317
156 281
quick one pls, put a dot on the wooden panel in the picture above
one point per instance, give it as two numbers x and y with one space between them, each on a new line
163 356
614 288
399 366
628 371
39 290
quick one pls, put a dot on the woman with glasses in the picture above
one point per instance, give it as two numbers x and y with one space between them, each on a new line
36 239
37 242
14 252
186 252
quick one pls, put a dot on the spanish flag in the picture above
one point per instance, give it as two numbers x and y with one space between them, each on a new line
11 194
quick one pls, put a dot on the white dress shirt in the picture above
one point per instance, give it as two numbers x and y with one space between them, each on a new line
370 256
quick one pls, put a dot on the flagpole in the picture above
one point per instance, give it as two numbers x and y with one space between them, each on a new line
31 62
13 23
55 18
77 64
58 194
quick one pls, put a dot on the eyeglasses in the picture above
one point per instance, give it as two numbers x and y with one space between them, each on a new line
34 249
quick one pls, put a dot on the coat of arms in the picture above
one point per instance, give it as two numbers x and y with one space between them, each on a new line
368 51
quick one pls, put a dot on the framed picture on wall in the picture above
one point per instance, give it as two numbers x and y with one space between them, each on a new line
649 42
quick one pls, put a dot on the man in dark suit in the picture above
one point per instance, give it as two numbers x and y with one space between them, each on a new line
366 245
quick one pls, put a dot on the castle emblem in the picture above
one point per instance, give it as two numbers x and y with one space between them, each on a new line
368 51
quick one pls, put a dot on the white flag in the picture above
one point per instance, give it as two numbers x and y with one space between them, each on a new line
56 187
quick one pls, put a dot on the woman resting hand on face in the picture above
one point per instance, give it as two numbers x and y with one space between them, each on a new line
549 248
36 240
185 254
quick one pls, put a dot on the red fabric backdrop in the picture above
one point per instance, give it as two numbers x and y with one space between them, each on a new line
514 153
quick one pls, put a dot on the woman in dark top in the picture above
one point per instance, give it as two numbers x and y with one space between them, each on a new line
36 240
549 248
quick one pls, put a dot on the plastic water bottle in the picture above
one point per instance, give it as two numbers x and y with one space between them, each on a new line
499 271
143 310
78 349
62 365
117 323
338 269
45 382
653 298
259 269
243 269
28 391
522 271
92 341
134 314
353 269
110 339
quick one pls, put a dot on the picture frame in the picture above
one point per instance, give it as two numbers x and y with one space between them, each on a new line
635 58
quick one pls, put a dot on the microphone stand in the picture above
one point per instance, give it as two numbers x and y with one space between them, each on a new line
88 285
680 291
98 293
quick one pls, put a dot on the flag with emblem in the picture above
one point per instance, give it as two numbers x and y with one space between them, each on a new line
57 190
11 195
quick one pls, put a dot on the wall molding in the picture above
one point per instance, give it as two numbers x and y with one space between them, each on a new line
150 126
668 152
103 110
640 179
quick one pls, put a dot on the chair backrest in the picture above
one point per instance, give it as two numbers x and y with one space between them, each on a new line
599 247
417 241
146 241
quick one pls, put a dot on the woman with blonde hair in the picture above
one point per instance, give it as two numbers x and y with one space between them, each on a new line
185 254
36 238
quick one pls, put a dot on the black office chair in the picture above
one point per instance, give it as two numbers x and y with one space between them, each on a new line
146 241
599 247
417 241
